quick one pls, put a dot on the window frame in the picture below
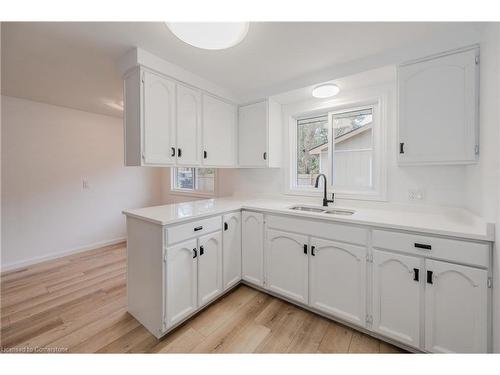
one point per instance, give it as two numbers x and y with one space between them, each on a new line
378 104
193 192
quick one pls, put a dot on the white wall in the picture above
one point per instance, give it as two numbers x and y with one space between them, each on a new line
46 152
442 185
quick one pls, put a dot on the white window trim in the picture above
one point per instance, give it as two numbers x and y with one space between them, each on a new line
379 193
193 193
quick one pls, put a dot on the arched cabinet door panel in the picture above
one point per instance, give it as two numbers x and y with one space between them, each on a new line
337 280
209 267
188 126
287 264
159 120
252 224
438 109
231 249
181 281
455 308
397 288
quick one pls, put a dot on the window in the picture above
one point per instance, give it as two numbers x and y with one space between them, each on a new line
341 144
193 180
312 149
353 149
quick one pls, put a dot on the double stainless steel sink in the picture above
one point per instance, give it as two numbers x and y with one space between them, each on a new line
320 210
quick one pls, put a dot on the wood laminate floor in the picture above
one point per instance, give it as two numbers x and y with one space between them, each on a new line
78 304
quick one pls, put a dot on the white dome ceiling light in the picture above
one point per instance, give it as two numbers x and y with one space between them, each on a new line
210 35
325 91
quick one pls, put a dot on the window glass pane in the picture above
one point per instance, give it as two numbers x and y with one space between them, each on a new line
353 151
205 179
184 178
312 149
194 179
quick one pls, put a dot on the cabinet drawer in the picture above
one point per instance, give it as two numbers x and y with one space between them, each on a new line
192 229
321 229
472 253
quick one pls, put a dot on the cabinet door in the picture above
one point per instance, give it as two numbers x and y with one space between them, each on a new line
188 126
252 247
438 104
337 280
181 280
209 267
396 296
287 264
219 132
159 120
455 308
231 240
252 135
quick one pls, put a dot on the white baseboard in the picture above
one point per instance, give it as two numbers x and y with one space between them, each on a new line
28 262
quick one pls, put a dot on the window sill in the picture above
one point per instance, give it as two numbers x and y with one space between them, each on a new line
197 194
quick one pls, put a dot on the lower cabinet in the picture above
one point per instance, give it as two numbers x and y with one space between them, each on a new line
252 247
231 239
456 312
337 279
182 281
209 267
396 296
287 264
193 276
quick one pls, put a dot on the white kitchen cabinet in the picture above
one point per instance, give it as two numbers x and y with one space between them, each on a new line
396 296
456 311
337 279
259 134
159 120
287 264
231 239
438 109
167 123
219 132
188 126
181 281
252 247
209 267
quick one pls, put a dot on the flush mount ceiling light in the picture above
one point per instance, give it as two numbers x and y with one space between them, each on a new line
210 35
325 91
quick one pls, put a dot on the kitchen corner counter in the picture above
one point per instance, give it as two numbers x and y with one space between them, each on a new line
452 222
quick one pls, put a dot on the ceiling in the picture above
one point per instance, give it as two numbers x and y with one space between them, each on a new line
74 64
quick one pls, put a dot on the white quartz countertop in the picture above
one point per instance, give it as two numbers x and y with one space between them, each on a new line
447 222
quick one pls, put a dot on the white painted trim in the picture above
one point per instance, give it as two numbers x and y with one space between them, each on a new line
16 265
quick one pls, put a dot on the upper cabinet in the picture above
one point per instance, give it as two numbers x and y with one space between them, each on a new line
188 126
438 109
219 132
259 135
169 124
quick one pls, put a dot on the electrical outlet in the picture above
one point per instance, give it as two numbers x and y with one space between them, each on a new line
85 184
416 194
